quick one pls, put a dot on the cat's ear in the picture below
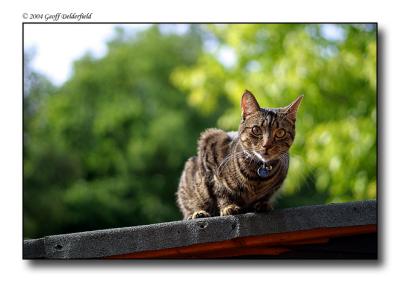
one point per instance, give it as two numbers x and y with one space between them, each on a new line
291 110
249 104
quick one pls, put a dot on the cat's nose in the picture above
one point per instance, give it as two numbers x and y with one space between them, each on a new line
266 142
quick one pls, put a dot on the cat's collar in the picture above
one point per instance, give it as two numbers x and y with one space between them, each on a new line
264 170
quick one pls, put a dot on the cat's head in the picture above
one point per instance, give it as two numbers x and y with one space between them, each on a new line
267 133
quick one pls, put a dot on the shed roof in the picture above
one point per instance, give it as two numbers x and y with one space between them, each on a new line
261 235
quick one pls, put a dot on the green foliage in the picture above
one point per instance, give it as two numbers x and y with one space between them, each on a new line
334 155
106 149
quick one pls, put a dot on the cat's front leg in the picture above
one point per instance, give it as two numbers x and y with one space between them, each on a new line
263 206
230 210
227 207
199 214
226 200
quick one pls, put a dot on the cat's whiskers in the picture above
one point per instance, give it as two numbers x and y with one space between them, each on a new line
245 153
259 156
226 159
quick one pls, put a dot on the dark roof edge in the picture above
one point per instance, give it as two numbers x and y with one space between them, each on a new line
109 242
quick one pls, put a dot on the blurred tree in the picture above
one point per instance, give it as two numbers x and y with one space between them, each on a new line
334 66
36 90
106 149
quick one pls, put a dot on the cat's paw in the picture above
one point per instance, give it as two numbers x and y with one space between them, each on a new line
263 207
199 214
230 210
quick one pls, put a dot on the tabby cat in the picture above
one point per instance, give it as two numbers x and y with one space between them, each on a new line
238 172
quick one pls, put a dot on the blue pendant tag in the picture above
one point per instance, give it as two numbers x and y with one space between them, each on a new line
263 172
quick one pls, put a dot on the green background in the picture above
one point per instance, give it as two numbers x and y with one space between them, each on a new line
106 148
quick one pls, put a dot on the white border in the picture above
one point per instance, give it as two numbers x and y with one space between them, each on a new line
383 12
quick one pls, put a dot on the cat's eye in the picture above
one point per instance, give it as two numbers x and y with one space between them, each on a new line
256 130
280 133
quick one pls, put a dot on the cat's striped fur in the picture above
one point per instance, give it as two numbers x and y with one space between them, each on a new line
222 179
